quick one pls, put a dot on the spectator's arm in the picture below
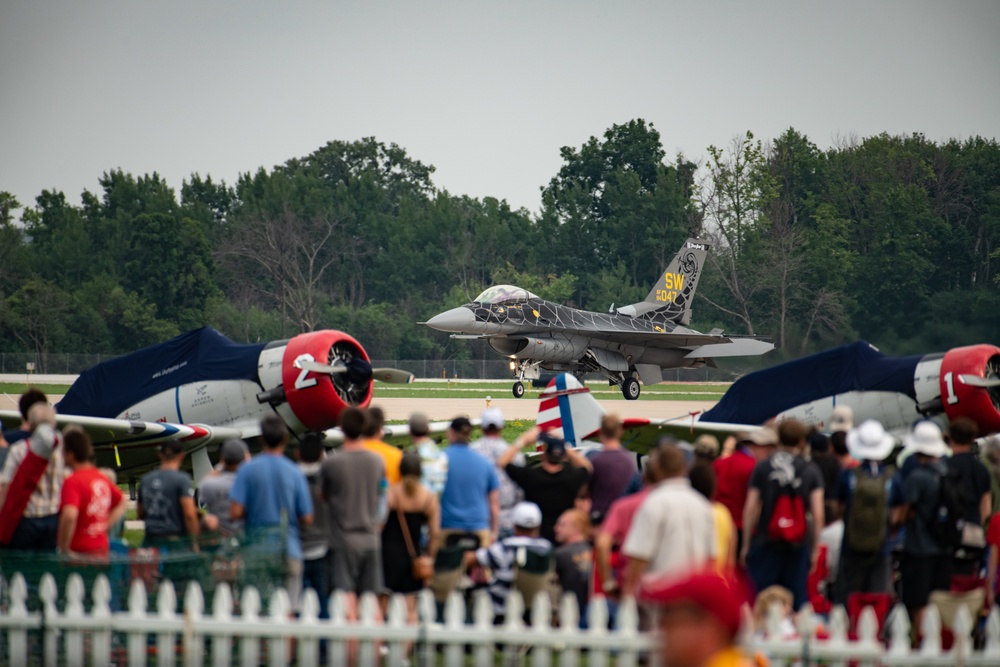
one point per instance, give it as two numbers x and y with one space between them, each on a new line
3 493
985 505
140 511
991 575
117 512
68 516
751 514
578 460
236 510
190 513
602 549
305 520
495 511
819 520
522 441
633 574
433 526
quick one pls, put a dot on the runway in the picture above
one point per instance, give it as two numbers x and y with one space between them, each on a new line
527 408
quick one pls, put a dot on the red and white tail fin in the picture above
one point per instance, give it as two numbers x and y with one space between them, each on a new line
568 409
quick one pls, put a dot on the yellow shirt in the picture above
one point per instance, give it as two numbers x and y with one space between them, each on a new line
725 529
733 657
390 455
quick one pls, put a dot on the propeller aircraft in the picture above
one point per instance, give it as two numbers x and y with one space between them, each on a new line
201 388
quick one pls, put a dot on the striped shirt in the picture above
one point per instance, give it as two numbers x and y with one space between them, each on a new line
499 557
44 500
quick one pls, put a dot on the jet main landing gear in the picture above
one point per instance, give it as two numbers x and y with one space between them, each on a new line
630 388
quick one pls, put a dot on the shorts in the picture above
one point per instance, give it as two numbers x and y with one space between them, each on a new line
357 571
919 575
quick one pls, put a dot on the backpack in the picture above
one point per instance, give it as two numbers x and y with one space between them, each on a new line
946 524
865 523
788 520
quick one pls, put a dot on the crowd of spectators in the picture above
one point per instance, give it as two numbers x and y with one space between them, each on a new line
800 515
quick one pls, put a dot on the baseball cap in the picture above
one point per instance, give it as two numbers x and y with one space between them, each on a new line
842 419
720 596
555 447
171 447
526 515
461 424
419 424
233 451
492 417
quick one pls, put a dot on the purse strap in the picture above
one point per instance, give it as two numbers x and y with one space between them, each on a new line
403 526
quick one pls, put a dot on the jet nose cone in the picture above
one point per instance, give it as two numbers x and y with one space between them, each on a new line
459 320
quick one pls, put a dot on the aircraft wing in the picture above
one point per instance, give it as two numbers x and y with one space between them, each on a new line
642 434
394 434
131 445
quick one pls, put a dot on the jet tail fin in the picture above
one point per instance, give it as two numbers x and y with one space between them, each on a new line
569 409
673 293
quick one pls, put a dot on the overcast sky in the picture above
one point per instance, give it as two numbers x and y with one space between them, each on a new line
485 92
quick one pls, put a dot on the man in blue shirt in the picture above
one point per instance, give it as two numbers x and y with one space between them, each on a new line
271 495
470 502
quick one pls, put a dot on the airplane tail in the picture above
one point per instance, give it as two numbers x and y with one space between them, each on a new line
568 409
671 296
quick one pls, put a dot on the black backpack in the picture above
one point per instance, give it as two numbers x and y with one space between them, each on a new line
946 524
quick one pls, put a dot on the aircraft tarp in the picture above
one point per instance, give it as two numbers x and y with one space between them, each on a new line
755 398
110 387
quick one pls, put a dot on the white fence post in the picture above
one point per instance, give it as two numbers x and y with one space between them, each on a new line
100 641
222 615
250 644
49 594
20 620
74 612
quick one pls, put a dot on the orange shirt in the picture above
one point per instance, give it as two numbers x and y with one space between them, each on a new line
390 455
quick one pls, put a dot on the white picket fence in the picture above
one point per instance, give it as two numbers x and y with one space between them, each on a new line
100 637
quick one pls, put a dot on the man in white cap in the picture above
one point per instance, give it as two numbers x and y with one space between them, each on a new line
499 556
492 445
927 562
863 497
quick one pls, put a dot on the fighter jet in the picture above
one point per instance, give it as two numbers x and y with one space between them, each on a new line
627 344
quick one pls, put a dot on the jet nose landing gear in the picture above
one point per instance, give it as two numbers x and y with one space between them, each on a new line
518 389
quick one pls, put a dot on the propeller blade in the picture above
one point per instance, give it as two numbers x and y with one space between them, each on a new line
976 381
393 375
317 367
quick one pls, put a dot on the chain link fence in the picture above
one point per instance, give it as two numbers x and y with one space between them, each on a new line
430 369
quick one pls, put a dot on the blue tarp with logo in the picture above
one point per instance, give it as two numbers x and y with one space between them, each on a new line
755 398
108 388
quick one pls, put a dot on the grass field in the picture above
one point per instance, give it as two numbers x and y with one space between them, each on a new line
442 389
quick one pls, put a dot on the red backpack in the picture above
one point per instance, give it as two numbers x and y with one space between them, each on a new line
788 521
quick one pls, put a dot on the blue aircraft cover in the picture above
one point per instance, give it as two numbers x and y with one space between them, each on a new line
203 354
755 398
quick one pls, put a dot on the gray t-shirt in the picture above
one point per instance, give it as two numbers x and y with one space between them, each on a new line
213 496
160 494
352 483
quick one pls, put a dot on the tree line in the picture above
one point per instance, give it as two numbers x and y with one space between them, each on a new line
889 238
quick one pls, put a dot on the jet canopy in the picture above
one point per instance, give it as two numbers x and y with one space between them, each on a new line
502 293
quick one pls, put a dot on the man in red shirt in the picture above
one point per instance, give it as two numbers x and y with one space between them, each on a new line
732 473
89 502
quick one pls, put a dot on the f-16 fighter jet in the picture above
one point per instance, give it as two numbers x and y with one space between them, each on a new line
628 344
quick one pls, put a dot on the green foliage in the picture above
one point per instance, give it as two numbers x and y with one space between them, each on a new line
891 238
